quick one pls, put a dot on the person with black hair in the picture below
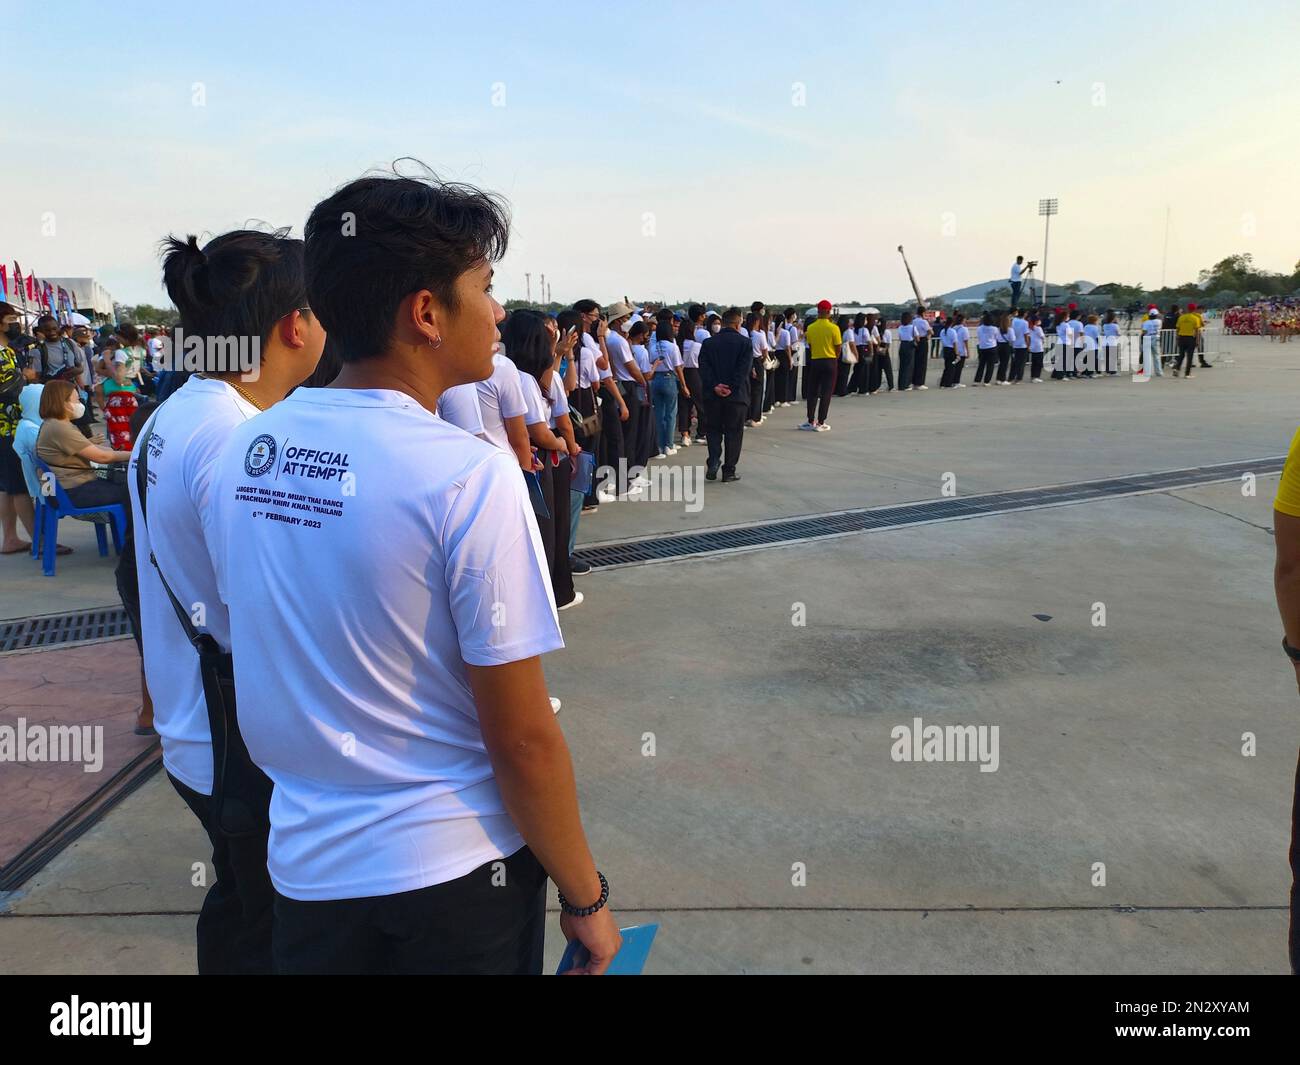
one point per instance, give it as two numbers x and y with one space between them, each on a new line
692 335
987 339
667 381
388 628
243 287
528 345
906 351
924 334
614 411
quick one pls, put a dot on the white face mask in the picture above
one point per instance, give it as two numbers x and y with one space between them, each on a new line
78 409
715 327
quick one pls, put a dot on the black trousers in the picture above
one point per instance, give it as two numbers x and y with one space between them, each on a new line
881 366
234 926
769 386
1294 936
919 362
1186 349
725 420
950 362
756 382
1004 360
792 385
843 373
491 921
860 378
631 427
1018 363
685 406
821 384
611 437
554 526
906 354
988 360
781 377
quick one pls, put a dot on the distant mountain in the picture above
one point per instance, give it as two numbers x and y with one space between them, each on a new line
1055 290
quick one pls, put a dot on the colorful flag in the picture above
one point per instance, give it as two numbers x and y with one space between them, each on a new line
4 284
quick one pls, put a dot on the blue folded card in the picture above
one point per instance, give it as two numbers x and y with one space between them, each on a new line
631 956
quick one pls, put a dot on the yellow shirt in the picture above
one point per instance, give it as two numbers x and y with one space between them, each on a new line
1189 323
1288 488
824 338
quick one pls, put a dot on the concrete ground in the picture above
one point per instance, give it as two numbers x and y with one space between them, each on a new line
772 831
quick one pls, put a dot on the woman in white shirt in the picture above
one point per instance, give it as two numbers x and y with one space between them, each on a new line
668 381
758 379
528 345
906 352
1151 345
1036 340
1006 337
860 378
691 335
1110 344
987 338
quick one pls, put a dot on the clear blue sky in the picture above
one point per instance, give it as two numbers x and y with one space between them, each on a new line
666 148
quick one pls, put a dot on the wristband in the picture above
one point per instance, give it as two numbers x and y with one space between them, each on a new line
586 911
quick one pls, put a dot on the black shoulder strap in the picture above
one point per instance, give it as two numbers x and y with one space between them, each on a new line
142 489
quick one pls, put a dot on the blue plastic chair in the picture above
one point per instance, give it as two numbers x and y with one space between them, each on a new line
51 510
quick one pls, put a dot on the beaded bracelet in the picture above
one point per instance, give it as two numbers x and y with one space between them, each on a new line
586 911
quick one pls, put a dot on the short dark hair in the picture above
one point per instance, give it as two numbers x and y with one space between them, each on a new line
239 284
380 238
129 333
695 312
586 306
731 314
44 320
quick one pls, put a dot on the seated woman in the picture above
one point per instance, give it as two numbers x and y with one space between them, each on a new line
68 454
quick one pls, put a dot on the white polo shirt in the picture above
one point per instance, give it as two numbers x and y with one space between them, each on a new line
189 432
559 406
538 410
906 332
367 551
921 328
499 398
459 406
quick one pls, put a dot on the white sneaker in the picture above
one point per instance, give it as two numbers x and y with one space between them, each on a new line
823 428
955 386
686 439
907 389
673 450
555 705
1037 381
606 496
575 601
808 427
923 388
641 481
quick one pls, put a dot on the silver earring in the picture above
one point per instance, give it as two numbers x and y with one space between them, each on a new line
435 343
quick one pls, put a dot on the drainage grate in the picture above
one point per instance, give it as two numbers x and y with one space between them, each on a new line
818 526
54 629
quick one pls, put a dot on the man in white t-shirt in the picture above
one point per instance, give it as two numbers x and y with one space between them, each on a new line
921 331
174 524
389 602
1015 280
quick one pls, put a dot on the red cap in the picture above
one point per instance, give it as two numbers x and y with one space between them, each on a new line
1191 306
1072 307
824 305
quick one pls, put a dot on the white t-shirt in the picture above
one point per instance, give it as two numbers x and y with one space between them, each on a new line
960 339
906 332
1036 339
538 410
1015 271
988 337
1019 327
588 373
1151 327
189 432
691 354
367 551
590 346
666 357
559 401
459 406
620 354
758 339
499 398
921 328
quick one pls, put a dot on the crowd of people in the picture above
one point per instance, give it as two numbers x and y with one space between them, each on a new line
343 569
1277 318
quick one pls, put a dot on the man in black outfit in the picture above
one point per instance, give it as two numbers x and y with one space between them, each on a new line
726 362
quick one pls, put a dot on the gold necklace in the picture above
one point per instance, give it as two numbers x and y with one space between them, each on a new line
245 395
